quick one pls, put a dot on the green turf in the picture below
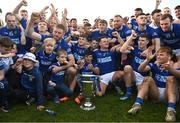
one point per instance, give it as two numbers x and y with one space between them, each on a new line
108 108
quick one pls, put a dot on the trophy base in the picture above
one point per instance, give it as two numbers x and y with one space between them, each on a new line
87 106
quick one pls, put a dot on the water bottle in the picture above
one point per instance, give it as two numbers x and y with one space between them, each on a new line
51 112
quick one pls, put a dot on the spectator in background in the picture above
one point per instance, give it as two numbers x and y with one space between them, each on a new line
1 20
177 12
166 10
148 17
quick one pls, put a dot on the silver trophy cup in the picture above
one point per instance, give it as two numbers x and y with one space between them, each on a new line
88 83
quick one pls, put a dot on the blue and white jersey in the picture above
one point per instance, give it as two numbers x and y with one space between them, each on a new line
137 60
7 62
159 75
62 44
133 23
85 69
97 34
78 52
13 34
149 31
57 78
106 61
124 32
170 38
45 60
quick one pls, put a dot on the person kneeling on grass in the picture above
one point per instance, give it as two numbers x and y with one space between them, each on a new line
162 85
56 85
31 81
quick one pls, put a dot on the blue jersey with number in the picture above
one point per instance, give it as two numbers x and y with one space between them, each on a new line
13 34
106 60
137 60
159 75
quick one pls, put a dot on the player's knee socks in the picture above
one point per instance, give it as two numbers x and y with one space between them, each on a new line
139 101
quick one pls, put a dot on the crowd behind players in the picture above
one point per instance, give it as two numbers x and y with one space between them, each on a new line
42 58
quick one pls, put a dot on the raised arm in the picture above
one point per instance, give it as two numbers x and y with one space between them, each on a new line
63 20
18 7
23 37
125 46
157 4
143 66
170 67
30 27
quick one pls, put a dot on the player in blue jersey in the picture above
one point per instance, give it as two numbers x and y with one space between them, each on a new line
23 16
80 48
143 28
137 12
131 73
16 33
169 34
123 31
156 15
102 30
107 63
161 86
56 83
46 57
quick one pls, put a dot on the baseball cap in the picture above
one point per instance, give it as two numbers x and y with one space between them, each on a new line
30 56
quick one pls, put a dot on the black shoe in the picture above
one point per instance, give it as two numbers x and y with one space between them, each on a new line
5 108
30 101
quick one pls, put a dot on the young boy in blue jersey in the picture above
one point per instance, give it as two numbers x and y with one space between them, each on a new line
131 73
3 89
56 85
161 86
46 58
107 63
87 66
31 82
